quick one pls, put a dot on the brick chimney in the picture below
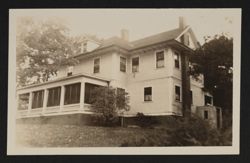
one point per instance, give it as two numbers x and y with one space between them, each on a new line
182 22
125 34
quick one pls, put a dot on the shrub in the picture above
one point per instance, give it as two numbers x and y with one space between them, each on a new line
145 121
109 103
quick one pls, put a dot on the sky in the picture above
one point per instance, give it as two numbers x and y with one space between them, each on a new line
105 23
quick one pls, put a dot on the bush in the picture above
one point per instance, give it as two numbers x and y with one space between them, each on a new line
145 121
192 131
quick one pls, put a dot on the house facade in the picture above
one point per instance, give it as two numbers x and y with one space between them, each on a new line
153 70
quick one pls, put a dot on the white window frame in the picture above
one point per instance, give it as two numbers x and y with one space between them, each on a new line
126 64
175 93
137 56
94 65
155 62
176 52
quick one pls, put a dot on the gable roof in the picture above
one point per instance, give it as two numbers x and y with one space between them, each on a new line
164 36
150 40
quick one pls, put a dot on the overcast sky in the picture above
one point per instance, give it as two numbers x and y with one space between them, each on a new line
106 23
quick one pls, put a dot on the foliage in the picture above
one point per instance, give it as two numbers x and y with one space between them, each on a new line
109 103
42 47
214 59
145 121
183 131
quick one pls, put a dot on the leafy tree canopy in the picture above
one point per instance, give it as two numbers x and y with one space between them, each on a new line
215 60
42 47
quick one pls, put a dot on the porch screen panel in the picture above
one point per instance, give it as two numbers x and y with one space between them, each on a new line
37 100
89 88
54 96
72 93
23 101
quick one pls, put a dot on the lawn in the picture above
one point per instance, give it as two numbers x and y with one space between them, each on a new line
54 135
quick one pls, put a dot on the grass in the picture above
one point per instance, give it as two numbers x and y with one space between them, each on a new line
53 135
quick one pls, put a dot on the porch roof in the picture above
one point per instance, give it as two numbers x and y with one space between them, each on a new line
66 78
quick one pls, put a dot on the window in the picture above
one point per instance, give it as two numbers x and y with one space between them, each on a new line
159 59
205 114
37 100
208 100
97 65
148 94
122 64
191 97
177 93
70 70
135 64
176 60
88 92
23 102
54 96
72 93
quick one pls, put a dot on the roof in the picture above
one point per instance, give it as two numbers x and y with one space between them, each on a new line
150 40
164 36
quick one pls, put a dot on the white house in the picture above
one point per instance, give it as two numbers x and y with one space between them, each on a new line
153 70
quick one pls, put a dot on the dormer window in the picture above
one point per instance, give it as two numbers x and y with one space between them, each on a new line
159 59
97 65
176 60
70 70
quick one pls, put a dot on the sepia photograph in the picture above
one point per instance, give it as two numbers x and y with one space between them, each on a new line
124 81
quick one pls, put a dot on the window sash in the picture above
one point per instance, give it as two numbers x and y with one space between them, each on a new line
54 96
148 94
37 100
135 64
123 64
160 59
97 65
23 101
177 93
176 60
72 93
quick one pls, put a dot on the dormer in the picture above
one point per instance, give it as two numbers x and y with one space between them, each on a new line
89 45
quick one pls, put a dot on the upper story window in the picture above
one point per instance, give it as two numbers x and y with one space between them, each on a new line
208 100
54 96
37 100
70 70
159 59
176 60
148 94
177 93
123 64
72 93
97 65
135 64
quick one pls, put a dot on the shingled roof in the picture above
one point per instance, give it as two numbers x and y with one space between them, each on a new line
150 40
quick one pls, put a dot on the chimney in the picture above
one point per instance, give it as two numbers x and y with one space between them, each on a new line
182 22
125 34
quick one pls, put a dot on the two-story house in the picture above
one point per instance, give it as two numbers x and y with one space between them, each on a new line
153 70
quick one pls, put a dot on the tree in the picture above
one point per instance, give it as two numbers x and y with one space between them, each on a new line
215 60
42 47
109 102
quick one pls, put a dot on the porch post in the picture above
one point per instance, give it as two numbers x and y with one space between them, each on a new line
62 97
45 99
30 102
82 93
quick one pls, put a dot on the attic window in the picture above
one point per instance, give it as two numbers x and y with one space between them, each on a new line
208 100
